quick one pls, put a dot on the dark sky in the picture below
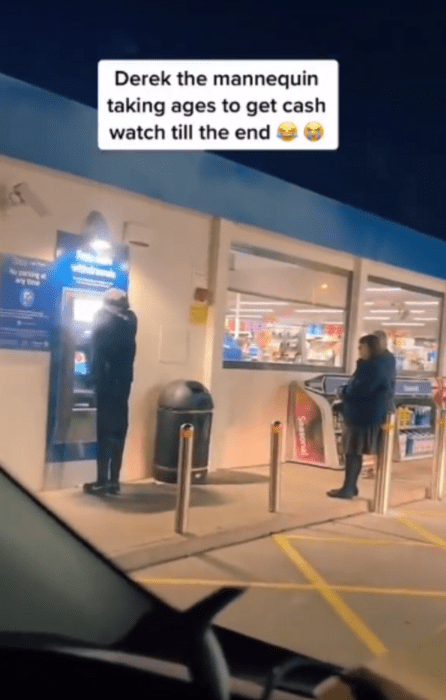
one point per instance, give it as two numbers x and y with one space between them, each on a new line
391 159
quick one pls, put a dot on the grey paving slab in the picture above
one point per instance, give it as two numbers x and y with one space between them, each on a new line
399 621
303 620
370 526
260 560
384 566
300 621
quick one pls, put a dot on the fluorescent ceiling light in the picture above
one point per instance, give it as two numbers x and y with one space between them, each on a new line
424 318
321 311
99 244
260 311
421 303
270 303
376 318
369 303
403 324
384 311
383 289
242 316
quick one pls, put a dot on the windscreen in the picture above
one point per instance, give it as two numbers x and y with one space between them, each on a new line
52 583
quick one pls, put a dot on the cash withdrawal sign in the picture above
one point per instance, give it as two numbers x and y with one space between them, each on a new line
80 277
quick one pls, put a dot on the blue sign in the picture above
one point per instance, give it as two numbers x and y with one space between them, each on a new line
413 387
26 304
81 267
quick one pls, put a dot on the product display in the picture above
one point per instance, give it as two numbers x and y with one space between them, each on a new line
415 433
414 355
312 344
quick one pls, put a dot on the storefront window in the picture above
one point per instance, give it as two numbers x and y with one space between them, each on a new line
284 313
411 318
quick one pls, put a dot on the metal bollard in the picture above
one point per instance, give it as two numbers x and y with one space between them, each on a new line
184 477
275 467
384 467
437 489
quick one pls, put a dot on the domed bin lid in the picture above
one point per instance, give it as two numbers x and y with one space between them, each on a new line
186 396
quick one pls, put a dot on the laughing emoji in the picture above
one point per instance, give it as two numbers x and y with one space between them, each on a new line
287 131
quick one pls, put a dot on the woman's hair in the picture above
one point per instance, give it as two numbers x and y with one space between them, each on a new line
372 343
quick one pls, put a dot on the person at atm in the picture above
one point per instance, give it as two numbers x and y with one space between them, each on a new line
113 353
365 402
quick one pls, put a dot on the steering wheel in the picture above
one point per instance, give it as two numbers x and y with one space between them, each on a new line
191 636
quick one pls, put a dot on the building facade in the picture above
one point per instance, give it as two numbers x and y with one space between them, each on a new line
296 280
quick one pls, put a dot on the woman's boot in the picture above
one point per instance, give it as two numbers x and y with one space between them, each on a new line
353 466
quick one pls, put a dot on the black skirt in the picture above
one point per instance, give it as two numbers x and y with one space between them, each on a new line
357 440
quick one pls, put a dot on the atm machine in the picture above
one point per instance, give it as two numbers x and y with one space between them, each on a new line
72 439
314 427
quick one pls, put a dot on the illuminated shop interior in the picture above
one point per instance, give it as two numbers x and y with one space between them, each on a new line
284 313
411 319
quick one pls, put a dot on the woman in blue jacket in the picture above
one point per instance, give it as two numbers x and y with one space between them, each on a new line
366 400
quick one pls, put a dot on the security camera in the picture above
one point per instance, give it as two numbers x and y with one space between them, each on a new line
22 195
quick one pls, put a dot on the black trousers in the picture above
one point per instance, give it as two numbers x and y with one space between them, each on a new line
112 424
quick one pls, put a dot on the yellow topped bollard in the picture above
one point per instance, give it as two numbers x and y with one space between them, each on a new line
275 467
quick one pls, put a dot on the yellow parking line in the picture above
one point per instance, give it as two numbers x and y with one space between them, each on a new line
212 583
429 536
424 514
290 586
359 540
416 592
357 626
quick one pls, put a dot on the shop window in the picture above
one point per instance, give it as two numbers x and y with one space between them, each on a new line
284 313
411 319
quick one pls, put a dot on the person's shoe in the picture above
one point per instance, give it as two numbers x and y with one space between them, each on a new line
95 489
341 493
113 489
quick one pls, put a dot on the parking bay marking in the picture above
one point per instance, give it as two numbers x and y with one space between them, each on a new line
429 536
351 619
425 514
309 587
359 540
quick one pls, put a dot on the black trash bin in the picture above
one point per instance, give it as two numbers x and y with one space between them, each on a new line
182 402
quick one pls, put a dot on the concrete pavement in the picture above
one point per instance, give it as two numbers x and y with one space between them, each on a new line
343 591
136 529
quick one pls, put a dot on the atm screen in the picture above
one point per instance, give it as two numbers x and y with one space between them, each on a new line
85 309
81 367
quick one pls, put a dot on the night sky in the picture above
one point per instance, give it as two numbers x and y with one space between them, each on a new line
391 159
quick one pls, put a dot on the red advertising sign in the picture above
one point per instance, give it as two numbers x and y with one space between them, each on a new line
305 424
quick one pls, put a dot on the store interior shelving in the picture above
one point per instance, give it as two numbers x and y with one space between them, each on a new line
415 432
